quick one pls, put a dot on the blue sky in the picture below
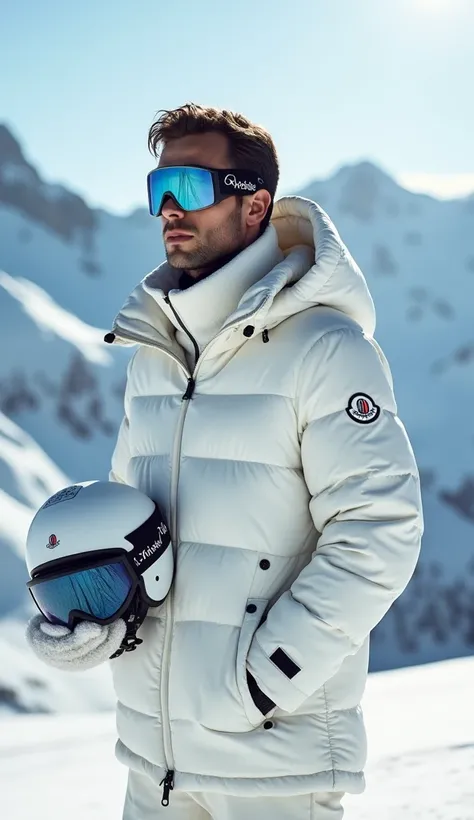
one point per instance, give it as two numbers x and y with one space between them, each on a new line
334 81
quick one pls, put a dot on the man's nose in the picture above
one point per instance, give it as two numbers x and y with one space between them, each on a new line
171 209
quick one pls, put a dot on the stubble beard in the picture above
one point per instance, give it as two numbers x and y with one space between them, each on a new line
221 243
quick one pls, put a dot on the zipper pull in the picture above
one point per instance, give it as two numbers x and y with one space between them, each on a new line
168 786
189 389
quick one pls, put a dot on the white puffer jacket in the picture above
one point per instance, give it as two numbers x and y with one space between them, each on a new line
293 499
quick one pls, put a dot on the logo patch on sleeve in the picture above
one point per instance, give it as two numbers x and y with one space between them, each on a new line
362 408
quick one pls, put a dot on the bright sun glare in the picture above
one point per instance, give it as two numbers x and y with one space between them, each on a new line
437 5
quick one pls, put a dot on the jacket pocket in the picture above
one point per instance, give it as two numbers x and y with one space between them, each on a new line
254 612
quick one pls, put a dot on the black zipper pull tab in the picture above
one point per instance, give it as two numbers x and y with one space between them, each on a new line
189 389
168 786
265 336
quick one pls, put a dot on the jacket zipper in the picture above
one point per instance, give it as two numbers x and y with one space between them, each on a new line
181 323
191 382
168 785
168 780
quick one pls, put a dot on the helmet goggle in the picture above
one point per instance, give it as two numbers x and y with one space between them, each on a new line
99 589
194 188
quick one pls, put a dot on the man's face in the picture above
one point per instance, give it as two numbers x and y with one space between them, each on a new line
214 232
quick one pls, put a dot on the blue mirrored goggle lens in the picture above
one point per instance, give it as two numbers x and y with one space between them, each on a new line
192 188
98 592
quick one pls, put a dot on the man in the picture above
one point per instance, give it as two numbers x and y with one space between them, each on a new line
260 417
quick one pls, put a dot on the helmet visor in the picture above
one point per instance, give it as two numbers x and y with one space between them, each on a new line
98 593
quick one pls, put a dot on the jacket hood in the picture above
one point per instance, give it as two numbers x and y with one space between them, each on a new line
316 269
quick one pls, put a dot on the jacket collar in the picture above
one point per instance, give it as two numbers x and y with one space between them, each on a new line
206 305
313 267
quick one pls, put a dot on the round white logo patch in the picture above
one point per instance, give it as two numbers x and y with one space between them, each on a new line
362 408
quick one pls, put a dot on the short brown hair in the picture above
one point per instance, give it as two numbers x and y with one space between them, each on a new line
250 146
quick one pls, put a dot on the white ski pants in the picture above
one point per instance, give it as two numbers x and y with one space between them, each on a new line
143 802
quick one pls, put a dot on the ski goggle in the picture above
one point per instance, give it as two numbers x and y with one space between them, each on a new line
196 188
99 592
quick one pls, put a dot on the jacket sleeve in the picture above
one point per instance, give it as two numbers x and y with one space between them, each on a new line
121 454
365 502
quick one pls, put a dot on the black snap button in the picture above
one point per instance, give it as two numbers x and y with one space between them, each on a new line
268 724
264 563
249 330
251 608
109 338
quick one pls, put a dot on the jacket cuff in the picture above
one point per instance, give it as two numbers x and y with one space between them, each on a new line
263 703
280 686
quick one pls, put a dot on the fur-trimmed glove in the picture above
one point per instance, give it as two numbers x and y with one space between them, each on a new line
88 645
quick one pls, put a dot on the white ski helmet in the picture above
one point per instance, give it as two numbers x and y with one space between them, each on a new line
95 524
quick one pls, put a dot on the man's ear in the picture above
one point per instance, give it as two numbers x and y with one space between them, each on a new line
259 205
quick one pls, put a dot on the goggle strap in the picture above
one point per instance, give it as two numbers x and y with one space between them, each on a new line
149 541
239 182
136 616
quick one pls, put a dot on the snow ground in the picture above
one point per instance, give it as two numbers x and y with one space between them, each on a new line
420 724
421 755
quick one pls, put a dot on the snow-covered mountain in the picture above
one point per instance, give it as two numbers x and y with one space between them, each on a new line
58 379
66 269
86 259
